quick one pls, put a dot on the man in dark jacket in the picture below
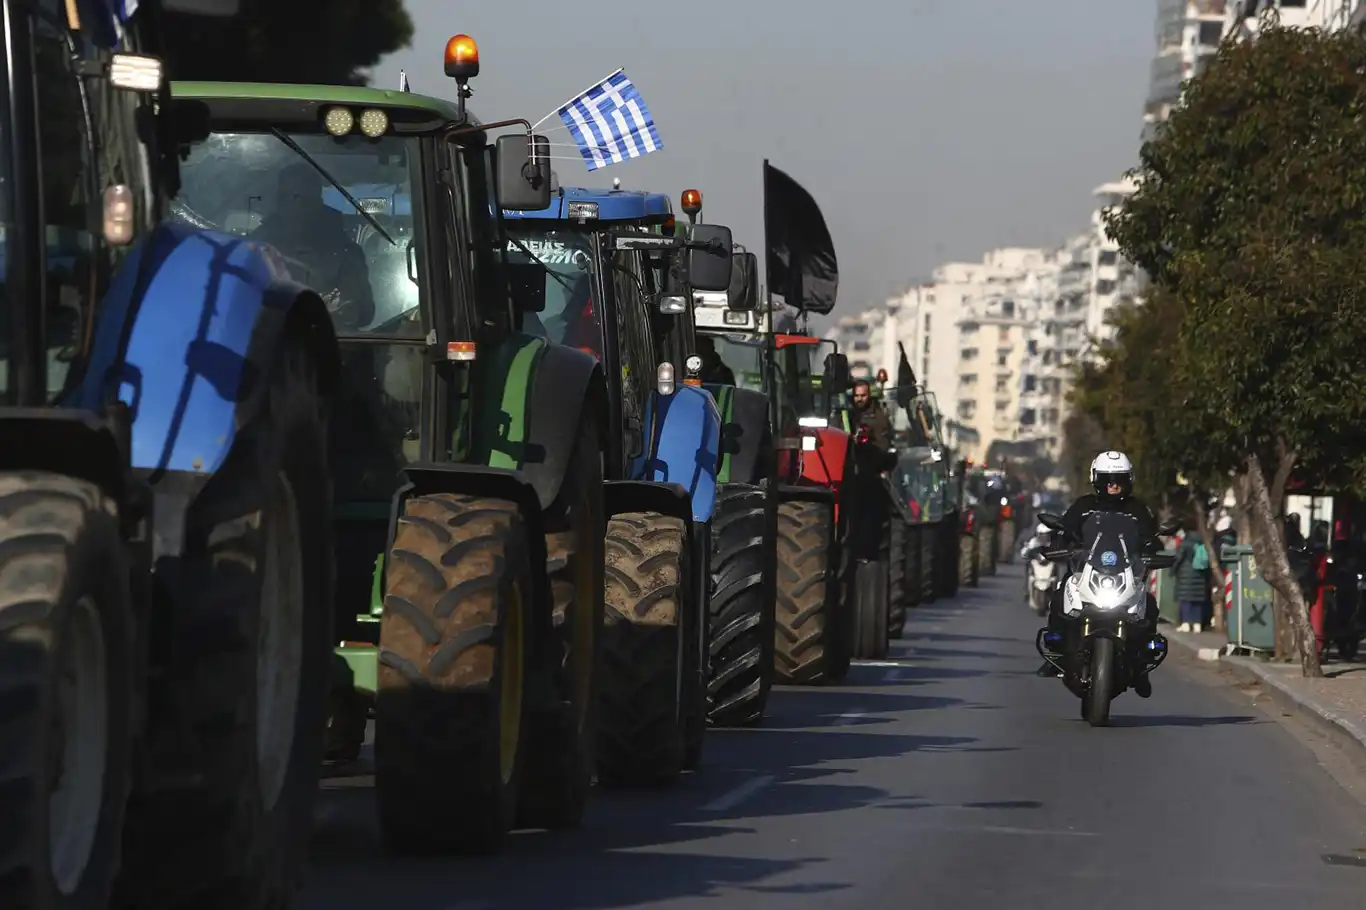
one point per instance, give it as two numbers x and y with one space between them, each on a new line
871 415
323 253
1112 480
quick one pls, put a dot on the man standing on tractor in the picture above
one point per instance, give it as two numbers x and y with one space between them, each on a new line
871 416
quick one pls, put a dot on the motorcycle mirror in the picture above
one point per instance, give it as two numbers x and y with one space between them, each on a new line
1051 521
1168 528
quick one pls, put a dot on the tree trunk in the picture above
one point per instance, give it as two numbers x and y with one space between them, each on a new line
1216 569
1268 545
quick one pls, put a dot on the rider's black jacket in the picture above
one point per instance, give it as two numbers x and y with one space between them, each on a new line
1090 504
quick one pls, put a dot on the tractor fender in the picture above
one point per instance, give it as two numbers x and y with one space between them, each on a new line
425 479
622 496
540 392
744 424
190 325
75 443
826 465
683 433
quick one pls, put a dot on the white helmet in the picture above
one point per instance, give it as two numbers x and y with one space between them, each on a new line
1041 530
1112 468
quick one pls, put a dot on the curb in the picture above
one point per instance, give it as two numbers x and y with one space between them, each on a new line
1252 671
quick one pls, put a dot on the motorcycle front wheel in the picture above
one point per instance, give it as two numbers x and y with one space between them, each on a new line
1096 703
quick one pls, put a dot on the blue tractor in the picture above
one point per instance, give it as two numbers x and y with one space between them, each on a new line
589 271
165 497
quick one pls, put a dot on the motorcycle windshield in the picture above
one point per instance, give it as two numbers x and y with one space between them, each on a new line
1113 543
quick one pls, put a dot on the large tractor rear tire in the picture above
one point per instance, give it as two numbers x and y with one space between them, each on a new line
742 612
245 690
562 742
640 720
453 648
808 643
898 598
67 689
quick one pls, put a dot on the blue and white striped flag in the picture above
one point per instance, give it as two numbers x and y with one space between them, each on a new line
611 123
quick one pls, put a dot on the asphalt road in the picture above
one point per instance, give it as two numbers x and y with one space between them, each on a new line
951 777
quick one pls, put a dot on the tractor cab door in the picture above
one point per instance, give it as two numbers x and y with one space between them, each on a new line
634 346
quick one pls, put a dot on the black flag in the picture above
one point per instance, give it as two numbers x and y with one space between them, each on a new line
801 260
905 379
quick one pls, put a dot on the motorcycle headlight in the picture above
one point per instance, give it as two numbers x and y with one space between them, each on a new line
1108 592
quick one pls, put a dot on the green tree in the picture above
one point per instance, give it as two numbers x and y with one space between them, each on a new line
310 41
1250 212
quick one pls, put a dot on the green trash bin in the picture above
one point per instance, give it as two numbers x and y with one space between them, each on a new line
1251 619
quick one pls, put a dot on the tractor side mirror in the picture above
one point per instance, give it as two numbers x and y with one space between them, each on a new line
743 294
523 172
709 257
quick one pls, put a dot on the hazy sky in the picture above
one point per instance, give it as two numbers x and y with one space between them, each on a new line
927 130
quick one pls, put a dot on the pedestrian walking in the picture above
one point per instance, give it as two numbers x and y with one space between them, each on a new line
1192 582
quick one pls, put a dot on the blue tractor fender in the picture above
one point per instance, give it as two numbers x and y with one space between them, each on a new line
190 325
683 446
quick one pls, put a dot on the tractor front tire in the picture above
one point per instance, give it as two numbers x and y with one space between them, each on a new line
641 719
67 690
806 640
452 668
742 616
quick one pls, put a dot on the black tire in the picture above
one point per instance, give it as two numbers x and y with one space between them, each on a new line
226 827
898 596
804 651
1096 704
742 616
562 739
453 653
64 603
870 610
640 716
1348 648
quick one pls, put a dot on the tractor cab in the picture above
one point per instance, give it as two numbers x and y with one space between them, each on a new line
607 272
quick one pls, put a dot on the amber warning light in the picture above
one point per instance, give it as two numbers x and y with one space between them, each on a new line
692 202
462 58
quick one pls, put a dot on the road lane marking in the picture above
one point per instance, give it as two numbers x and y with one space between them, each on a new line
892 675
736 795
850 717
879 663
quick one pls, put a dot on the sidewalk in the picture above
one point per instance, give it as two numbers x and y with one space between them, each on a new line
1337 701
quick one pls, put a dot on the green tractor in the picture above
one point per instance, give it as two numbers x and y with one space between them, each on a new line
468 454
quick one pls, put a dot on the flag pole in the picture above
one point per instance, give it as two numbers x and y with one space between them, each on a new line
573 98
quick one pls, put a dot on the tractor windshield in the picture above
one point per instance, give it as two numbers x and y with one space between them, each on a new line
257 186
732 360
564 261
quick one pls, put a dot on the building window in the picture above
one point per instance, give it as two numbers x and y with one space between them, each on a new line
1210 33
1001 360
1027 417
1032 347
968 354
1105 286
1108 257
1031 383
1001 382
927 323
1008 309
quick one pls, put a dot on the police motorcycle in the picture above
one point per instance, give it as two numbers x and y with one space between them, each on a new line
1104 647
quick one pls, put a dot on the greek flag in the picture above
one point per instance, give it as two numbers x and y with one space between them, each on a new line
611 123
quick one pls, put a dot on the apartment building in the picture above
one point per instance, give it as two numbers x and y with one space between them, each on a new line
1188 34
1243 17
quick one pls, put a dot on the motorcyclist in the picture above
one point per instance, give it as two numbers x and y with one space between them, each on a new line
1112 479
305 229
